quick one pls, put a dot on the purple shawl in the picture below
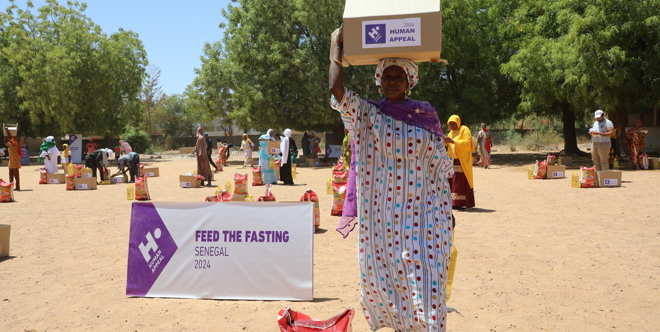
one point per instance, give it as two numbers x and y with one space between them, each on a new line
413 112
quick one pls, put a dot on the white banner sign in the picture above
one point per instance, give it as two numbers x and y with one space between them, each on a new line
75 146
392 33
224 250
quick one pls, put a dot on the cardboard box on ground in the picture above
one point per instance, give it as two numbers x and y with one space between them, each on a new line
555 172
5 231
86 172
151 172
56 178
609 178
84 183
189 181
120 179
377 29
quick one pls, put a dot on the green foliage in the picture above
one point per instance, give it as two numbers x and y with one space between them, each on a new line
475 42
177 118
541 139
270 70
513 139
60 74
137 138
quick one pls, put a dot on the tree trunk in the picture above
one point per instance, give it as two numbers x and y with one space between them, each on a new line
570 138
620 116
338 133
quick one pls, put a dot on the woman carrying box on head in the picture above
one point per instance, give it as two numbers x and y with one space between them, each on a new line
15 155
404 207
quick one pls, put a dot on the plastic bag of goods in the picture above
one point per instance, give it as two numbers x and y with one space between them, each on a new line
78 171
224 196
257 180
339 166
43 176
69 182
218 163
6 191
540 169
587 177
338 198
643 161
340 176
240 184
552 159
268 197
293 321
310 196
141 170
141 189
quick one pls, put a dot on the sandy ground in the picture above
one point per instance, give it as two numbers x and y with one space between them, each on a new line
533 255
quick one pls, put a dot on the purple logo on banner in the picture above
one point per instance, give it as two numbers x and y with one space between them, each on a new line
72 138
150 248
374 34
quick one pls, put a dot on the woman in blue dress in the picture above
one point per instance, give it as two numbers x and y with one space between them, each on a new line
267 172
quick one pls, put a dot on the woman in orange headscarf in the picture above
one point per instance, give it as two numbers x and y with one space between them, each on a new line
460 146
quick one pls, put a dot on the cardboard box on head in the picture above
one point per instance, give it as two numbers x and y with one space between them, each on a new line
10 129
377 29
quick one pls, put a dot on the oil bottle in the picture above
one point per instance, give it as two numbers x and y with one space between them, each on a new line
575 180
130 192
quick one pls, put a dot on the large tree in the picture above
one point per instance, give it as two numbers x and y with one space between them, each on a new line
270 70
475 42
62 74
577 56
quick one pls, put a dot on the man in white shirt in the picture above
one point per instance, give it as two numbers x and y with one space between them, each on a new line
600 133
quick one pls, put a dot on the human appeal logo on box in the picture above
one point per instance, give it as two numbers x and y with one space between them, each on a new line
150 248
392 33
375 33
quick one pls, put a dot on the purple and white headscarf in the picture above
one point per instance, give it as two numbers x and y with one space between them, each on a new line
408 65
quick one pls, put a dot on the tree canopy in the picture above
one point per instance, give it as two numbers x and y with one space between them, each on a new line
59 73
506 59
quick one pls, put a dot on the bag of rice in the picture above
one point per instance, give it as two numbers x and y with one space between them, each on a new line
218 162
338 198
78 171
6 191
69 182
43 176
540 169
310 196
141 189
256 176
340 176
552 159
587 177
339 166
240 184
224 196
268 197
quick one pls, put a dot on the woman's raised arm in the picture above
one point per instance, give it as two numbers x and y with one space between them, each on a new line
336 72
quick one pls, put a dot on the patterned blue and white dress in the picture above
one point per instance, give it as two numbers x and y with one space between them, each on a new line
267 172
404 215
